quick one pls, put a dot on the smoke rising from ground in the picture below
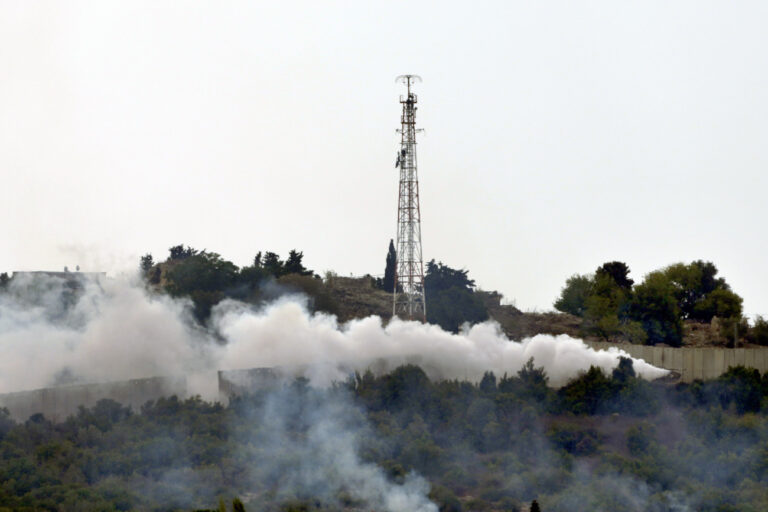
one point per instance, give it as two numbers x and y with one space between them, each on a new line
321 430
114 330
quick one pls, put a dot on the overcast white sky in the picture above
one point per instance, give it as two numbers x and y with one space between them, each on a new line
559 135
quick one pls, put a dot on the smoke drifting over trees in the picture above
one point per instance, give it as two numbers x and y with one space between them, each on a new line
116 329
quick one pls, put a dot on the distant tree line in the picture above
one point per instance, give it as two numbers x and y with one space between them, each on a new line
609 302
207 278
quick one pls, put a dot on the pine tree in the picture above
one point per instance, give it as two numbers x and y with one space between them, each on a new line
535 506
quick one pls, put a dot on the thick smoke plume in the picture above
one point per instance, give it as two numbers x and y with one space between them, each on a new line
114 329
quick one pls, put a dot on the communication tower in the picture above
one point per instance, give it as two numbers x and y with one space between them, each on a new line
408 295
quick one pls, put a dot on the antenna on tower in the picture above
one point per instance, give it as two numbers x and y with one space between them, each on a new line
408 295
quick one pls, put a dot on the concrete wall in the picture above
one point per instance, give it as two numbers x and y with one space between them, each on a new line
58 403
694 363
239 382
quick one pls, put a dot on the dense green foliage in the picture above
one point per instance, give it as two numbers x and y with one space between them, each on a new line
451 300
573 298
206 278
653 311
600 443
759 331
655 307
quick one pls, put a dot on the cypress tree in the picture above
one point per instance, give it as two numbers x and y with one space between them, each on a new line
389 272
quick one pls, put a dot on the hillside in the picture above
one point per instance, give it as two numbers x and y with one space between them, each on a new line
394 441
357 297
678 305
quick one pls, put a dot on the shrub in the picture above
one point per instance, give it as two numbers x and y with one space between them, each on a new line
639 439
573 439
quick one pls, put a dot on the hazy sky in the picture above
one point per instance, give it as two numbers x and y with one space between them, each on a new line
558 135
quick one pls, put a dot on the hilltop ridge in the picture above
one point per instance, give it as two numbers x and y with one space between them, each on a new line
679 305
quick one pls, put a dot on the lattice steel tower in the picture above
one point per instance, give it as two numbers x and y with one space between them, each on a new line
408 296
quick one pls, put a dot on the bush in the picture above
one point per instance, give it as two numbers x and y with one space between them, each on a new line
742 387
445 499
639 439
587 393
573 439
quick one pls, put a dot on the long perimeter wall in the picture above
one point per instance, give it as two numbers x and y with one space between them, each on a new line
694 363
59 402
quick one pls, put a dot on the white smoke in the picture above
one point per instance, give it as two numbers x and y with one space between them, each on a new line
283 334
326 448
116 330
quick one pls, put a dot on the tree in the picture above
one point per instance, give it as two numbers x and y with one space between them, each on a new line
618 271
272 264
624 371
293 264
654 305
693 284
4 280
488 383
441 277
147 262
388 284
573 297
451 300
204 277
535 506
587 393
534 382
606 310
742 387
721 303
758 333
179 252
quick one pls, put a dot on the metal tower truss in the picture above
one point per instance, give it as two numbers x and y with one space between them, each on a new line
408 297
